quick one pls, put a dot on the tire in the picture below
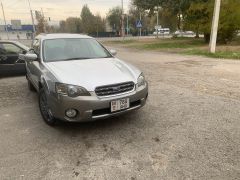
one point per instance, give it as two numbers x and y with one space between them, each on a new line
47 116
31 87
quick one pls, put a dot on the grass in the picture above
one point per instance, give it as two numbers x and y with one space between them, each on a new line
122 42
153 44
189 46
172 45
218 54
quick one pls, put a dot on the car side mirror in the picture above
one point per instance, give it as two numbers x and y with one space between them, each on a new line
24 52
31 49
113 52
29 57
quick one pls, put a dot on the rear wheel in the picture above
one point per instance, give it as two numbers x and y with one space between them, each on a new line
45 110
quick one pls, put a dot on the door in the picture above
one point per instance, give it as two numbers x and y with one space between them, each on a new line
8 56
33 68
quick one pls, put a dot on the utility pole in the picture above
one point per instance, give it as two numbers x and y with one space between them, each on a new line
33 24
6 28
123 29
157 20
216 14
127 25
140 33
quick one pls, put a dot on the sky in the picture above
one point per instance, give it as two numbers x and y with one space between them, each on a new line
56 9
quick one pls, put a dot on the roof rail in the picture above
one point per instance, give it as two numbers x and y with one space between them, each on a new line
43 34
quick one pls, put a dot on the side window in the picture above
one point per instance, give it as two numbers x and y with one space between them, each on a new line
11 49
3 57
2 49
9 53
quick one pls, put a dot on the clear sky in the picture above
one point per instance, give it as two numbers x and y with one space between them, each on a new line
56 9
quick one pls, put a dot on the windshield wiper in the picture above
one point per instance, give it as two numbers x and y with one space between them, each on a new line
69 59
83 58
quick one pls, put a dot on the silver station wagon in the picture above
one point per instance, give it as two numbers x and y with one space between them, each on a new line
79 80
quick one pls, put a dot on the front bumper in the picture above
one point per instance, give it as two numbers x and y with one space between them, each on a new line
92 108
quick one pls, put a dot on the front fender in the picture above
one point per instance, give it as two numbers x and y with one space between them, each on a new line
44 84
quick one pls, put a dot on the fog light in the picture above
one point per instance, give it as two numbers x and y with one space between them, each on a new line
71 113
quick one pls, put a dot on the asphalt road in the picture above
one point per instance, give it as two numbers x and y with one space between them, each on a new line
189 129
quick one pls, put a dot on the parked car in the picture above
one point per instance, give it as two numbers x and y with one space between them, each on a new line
9 63
179 33
184 33
162 31
190 33
78 79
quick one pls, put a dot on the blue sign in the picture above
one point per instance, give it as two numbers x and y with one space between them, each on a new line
139 24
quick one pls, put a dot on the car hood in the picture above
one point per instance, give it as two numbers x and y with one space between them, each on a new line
92 73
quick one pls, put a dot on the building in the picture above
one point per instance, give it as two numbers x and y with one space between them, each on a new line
24 32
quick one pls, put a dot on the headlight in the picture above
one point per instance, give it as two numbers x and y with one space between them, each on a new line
141 80
71 90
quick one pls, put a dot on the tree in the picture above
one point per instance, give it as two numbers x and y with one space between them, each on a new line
148 22
114 18
229 20
62 26
41 23
87 23
148 4
99 24
168 19
174 8
199 18
73 25
197 15
88 20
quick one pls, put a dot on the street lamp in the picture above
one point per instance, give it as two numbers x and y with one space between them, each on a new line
157 12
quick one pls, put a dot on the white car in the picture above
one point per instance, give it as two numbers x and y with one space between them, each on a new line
78 79
184 33
162 31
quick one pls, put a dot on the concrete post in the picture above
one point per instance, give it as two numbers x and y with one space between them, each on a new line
216 14
157 20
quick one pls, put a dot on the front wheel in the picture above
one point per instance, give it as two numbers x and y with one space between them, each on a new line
45 110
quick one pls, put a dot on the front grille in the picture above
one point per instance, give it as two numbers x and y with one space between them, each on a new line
114 89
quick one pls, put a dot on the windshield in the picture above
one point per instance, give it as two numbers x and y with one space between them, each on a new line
73 49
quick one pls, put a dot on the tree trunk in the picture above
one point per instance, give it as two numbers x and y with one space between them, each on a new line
179 22
197 32
207 37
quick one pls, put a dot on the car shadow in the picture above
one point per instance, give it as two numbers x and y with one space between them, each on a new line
11 75
117 122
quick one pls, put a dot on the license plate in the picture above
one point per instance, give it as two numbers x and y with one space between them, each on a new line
120 105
